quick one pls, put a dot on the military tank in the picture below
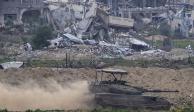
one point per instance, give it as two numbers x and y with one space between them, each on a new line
110 90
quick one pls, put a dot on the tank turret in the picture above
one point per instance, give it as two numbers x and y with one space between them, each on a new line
116 92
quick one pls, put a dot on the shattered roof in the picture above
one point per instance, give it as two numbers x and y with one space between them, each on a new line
114 70
103 43
73 38
137 42
13 64
56 1
84 24
56 40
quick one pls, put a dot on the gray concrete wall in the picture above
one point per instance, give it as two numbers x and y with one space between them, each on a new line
18 7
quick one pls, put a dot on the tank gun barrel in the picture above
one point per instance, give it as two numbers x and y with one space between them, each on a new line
161 91
153 90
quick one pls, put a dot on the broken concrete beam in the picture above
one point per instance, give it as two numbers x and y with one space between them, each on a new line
121 22
13 64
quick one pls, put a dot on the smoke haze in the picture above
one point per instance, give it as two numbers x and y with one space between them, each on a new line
74 95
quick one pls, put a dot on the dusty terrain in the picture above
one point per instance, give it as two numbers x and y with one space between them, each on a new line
150 78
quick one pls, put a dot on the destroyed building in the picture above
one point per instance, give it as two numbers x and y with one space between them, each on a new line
120 11
180 17
13 10
126 13
121 8
111 14
99 17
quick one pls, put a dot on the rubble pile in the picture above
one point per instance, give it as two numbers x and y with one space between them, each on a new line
91 28
11 50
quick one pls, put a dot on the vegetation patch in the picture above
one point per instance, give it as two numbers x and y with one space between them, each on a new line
186 63
176 43
42 35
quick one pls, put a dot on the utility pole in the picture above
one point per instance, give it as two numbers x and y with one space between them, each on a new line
125 7
143 3
155 3
84 10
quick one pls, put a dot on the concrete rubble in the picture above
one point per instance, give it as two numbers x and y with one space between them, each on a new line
106 30
13 64
88 18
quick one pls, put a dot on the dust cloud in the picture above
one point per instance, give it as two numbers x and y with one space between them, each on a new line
74 95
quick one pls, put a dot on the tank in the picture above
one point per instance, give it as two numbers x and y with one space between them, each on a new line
115 92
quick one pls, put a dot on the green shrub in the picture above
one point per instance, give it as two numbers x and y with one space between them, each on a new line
43 34
165 29
167 44
3 110
185 108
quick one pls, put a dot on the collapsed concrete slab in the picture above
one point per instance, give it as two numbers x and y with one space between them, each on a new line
120 22
13 64
73 38
138 44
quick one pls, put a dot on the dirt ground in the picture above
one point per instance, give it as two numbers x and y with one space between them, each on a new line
150 78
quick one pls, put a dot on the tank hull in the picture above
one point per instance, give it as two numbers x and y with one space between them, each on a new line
117 89
131 101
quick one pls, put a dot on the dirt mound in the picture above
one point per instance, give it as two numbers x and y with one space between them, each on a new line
156 38
17 77
165 79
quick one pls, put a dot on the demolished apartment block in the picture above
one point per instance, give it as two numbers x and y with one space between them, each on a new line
183 20
122 8
180 17
130 13
87 16
97 18
101 21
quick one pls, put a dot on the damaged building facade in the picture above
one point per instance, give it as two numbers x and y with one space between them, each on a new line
182 19
122 8
13 10
178 13
124 13
116 14
120 11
